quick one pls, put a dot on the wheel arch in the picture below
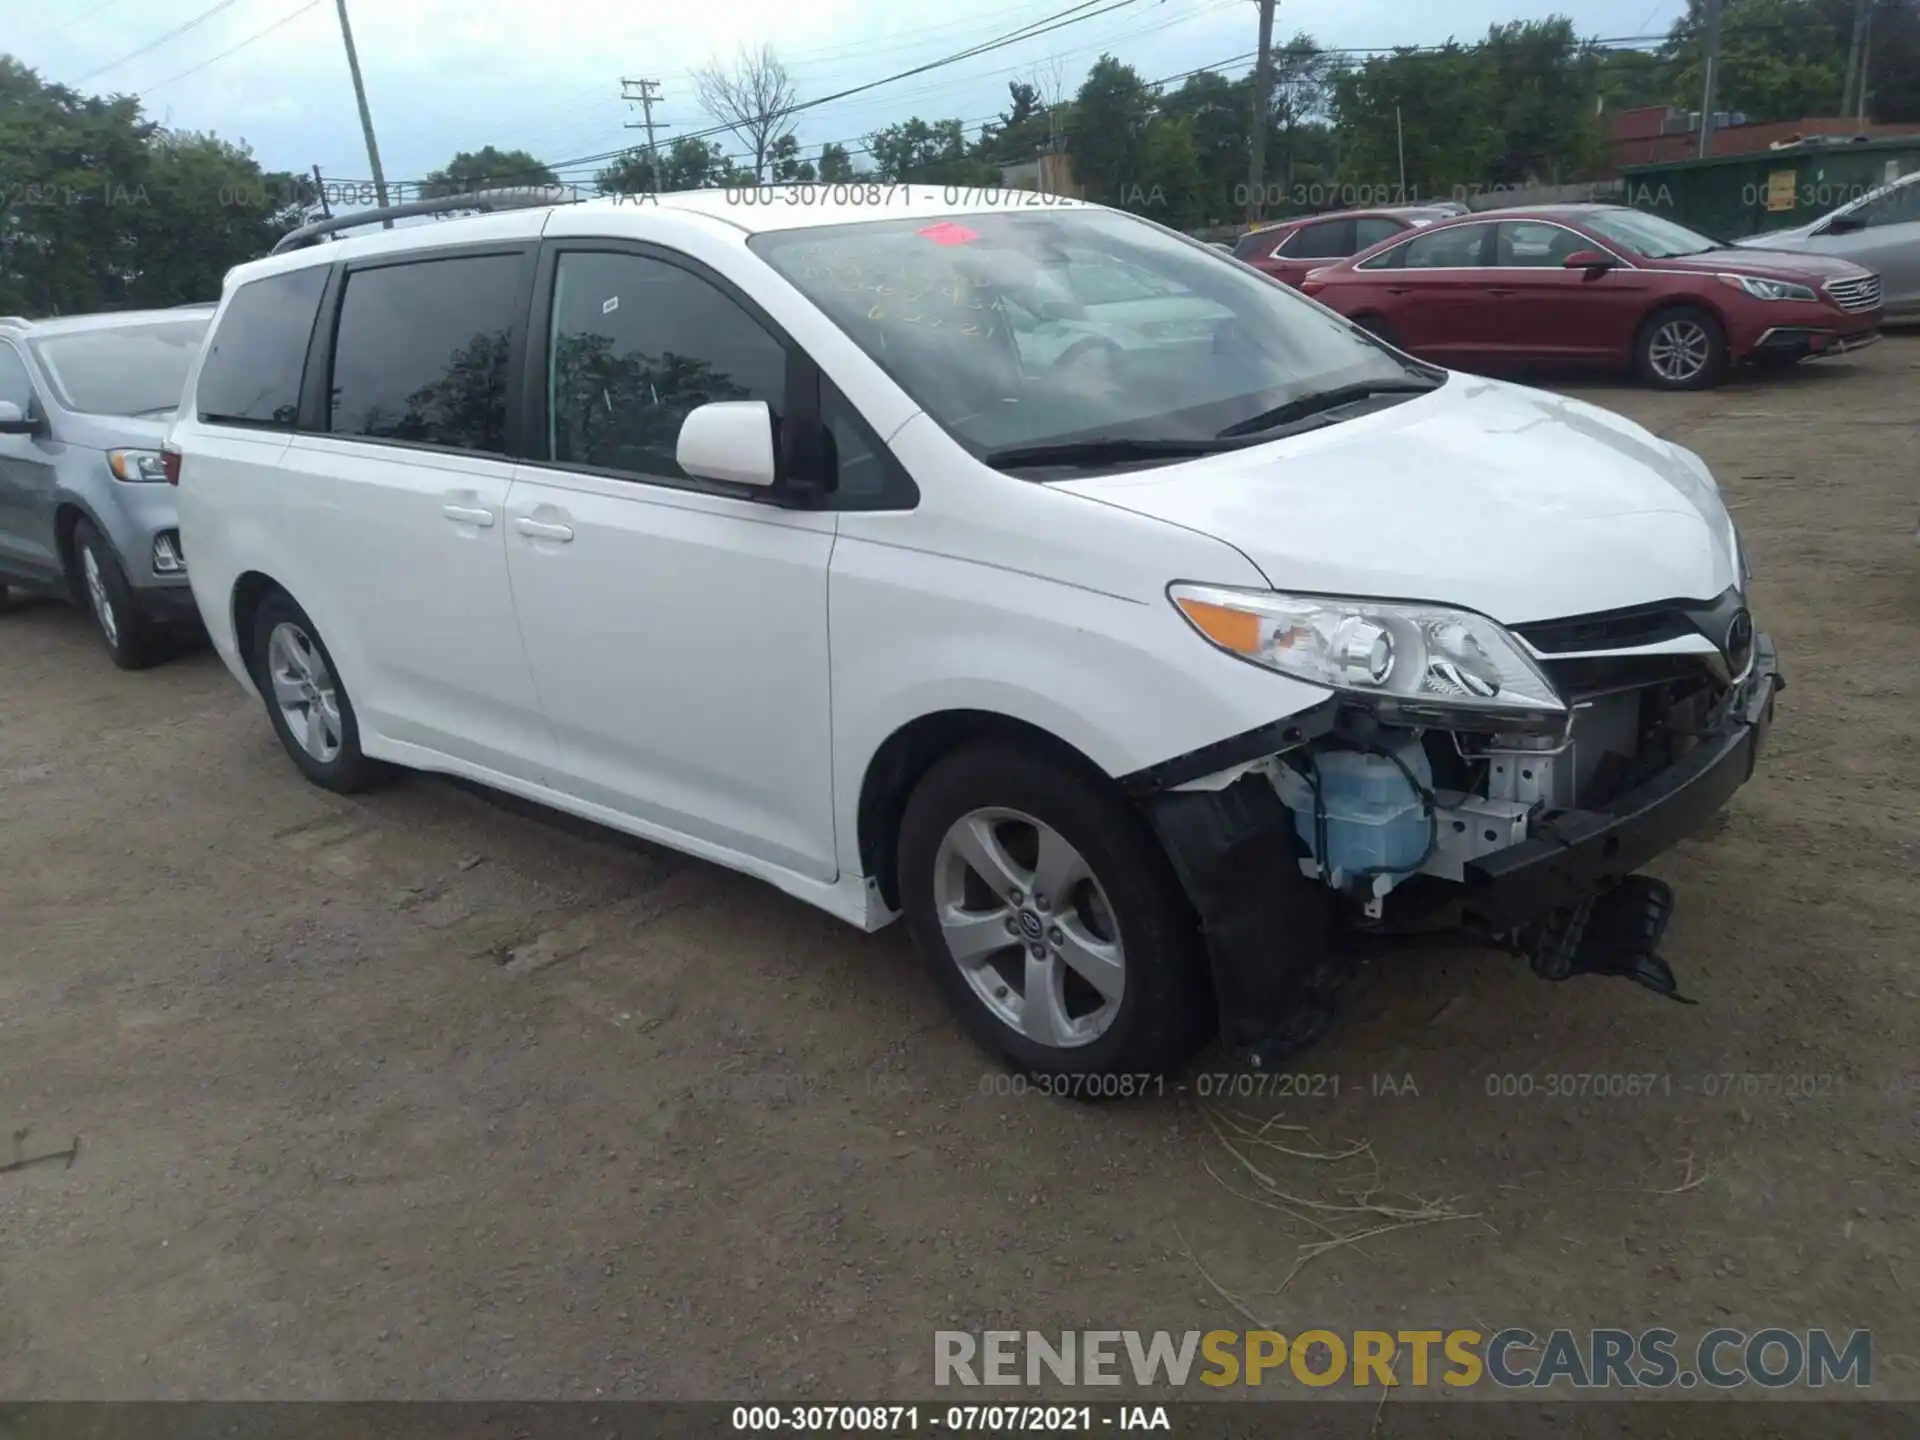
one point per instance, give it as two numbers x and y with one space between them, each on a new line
66 520
913 749
249 590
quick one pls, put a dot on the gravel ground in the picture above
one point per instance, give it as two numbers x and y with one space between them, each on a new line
422 1094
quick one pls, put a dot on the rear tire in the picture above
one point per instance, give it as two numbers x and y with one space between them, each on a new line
1681 348
1104 981
306 701
124 630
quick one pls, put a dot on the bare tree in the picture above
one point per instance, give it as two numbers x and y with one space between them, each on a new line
752 100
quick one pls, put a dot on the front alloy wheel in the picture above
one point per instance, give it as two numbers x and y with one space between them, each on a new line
1049 915
1030 928
1683 350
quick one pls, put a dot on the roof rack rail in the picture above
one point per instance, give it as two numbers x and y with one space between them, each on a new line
507 197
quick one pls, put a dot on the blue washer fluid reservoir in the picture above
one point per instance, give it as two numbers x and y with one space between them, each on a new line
1374 817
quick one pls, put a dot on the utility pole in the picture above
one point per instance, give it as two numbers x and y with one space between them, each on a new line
1262 104
643 93
366 115
1853 56
1712 72
1866 67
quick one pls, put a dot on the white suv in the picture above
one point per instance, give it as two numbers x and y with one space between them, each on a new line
1147 658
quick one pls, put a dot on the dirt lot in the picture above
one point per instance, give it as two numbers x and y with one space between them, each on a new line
418 1095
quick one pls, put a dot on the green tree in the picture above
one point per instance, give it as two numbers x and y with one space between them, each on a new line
784 162
1021 130
687 164
106 210
486 169
835 164
1172 184
928 153
1111 115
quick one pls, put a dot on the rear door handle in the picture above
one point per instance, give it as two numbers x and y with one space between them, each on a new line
541 530
469 515
1499 292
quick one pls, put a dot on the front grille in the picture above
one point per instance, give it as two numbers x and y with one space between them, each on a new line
1862 294
1608 630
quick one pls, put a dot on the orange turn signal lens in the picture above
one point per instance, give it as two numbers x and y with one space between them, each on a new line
1234 630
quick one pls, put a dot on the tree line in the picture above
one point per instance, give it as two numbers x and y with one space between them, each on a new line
102 208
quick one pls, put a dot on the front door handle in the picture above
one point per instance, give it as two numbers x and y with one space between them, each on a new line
541 530
469 515
1492 291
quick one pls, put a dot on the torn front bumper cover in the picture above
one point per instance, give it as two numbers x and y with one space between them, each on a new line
1277 945
1580 853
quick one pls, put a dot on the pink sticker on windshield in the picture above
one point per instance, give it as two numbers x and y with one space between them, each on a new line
948 233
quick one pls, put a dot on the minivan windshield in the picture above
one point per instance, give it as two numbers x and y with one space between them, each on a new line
122 369
1648 235
1028 331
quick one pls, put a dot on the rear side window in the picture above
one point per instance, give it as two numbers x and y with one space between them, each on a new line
1257 246
420 355
1329 240
259 351
1370 231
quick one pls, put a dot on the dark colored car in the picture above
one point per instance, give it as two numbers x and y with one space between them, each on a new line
1288 250
1600 285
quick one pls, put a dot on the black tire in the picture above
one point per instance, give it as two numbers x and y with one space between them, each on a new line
123 629
347 769
1659 325
1163 1014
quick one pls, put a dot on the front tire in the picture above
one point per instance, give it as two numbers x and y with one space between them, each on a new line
1684 348
306 701
126 633
1050 917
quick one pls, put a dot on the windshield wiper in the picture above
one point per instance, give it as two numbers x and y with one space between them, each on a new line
1104 450
1324 400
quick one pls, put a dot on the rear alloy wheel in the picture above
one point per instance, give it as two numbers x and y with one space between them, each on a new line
1050 917
1683 349
123 629
305 700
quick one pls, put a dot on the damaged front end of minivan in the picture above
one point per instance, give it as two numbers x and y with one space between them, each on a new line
1461 777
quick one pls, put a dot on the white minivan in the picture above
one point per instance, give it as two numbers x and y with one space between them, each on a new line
1155 661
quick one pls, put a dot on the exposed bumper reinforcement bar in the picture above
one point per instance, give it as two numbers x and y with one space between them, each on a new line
1581 853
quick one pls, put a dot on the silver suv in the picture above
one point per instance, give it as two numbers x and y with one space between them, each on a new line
85 507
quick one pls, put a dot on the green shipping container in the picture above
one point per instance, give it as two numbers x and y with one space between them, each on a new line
1730 196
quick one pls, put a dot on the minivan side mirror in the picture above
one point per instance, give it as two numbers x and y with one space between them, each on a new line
13 420
730 441
1589 260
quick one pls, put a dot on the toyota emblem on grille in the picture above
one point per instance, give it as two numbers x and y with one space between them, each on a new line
1739 646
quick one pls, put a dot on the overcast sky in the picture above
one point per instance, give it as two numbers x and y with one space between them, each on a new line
544 75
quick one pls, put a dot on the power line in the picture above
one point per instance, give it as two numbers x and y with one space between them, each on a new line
151 45
286 19
1058 20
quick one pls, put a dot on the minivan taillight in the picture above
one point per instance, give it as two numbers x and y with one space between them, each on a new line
170 463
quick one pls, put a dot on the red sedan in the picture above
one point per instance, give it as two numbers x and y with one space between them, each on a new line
1600 285
1288 250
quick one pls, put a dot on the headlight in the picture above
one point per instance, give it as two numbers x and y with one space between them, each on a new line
1418 656
1763 289
137 466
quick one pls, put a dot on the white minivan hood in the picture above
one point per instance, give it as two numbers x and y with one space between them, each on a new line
1506 500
